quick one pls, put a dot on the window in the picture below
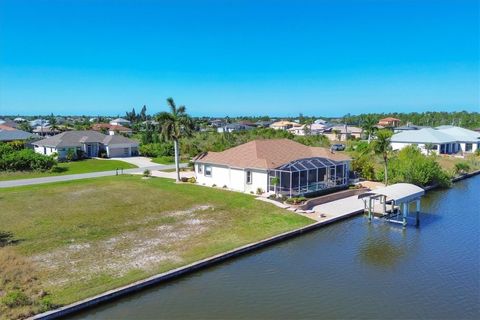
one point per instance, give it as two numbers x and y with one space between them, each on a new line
199 168
249 177
468 147
208 171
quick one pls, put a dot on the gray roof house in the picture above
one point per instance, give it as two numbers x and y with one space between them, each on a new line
90 143
12 134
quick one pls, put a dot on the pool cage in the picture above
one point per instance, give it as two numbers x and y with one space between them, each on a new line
308 175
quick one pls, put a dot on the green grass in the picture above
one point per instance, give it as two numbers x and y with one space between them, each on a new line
163 160
74 167
89 236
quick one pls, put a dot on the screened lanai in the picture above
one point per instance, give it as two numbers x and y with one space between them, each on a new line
308 175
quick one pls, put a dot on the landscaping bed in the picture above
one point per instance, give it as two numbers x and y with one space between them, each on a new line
81 238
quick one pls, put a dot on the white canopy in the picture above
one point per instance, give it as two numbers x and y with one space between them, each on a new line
400 192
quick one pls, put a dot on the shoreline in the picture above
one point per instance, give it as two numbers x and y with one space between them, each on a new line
201 264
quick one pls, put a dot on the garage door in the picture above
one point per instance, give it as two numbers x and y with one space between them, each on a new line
119 152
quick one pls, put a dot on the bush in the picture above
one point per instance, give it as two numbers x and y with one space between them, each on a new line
24 160
102 154
71 155
15 298
192 180
184 179
411 166
156 150
259 191
461 168
147 173
6 238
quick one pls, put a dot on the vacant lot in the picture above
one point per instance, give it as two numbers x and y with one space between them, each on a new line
84 166
85 237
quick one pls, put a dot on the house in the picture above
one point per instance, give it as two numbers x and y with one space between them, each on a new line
408 127
442 140
279 166
312 129
38 122
120 122
234 127
389 122
263 124
8 122
90 143
45 131
342 132
284 125
19 119
111 129
8 133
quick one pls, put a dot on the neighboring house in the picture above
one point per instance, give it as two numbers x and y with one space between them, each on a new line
408 127
217 123
284 125
45 131
38 122
120 122
91 143
263 124
111 129
234 127
312 129
18 120
444 140
280 166
8 133
342 132
8 122
389 122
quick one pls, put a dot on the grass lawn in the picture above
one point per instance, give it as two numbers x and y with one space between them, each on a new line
87 236
163 160
74 167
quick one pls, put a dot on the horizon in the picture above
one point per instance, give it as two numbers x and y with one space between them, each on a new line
228 58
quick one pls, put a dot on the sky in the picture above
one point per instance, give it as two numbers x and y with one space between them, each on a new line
250 57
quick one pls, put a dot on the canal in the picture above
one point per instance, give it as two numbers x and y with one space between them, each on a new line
351 269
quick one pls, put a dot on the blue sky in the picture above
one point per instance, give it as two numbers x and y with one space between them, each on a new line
218 57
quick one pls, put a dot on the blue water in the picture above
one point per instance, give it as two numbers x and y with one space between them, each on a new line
352 269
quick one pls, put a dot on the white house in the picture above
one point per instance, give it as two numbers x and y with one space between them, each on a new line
280 166
120 122
90 143
442 140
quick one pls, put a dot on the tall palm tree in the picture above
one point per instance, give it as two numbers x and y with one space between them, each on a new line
381 146
174 125
369 127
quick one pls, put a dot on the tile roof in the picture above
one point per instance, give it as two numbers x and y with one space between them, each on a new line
77 138
267 154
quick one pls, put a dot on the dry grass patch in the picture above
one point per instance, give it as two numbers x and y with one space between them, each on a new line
89 236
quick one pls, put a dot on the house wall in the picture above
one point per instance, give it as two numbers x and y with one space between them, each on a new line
233 178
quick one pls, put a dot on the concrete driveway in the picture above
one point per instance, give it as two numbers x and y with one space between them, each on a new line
141 162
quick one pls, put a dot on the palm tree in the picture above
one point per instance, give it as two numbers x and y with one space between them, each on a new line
429 147
307 126
173 126
369 127
381 146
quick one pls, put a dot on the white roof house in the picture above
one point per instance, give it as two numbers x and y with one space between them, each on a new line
445 139
120 122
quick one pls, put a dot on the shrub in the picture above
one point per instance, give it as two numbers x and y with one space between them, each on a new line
6 238
259 191
147 173
214 185
224 186
15 298
102 154
192 180
156 150
184 179
71 155
462 168
24 160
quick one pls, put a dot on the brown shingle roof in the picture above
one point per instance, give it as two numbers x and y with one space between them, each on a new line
267 154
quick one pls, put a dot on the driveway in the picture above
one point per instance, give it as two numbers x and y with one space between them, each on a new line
26 182
141 162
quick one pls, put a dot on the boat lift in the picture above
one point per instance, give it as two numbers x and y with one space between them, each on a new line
393 202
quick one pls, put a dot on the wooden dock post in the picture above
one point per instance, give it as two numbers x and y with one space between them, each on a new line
417 214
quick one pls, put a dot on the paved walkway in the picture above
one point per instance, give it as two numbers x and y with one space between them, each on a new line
26 182
336 209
